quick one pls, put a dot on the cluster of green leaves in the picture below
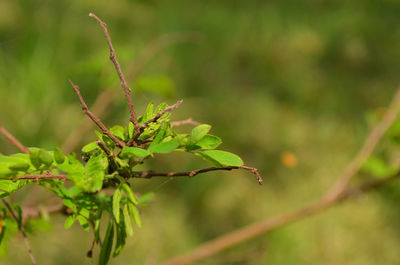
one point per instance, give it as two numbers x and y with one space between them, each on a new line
104 165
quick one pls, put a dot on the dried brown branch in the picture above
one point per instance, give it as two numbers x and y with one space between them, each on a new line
13 140
94 118
42 176
98 108
187 121
369 145
104 99
236 237
21 229
340 192
124 84
151 174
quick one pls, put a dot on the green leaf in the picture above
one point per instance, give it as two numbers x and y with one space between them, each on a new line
121 237
83 222
127 221
22 166
131 129
58 155
209 142
116 204
164 147
224 158
90 147
45 157
135 213
69 221
118 131
129 193
92 180
131 152
145 197
34 157
158 138
161 107
149 112
198 132
5 171
106 248
8 187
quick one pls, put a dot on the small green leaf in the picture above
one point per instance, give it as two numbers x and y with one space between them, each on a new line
224 158
149 112
90 147
131 129
121 237
69 221
129 193
45 157
5 170
83 222
145 197
127 221
164 147
106 248
34 157
23 166
209 142
130 152
58 155
116 204
135 213
118 131
198 132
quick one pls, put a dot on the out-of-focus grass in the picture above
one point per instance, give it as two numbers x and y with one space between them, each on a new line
270 77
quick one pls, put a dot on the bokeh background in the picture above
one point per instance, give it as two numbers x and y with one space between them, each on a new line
288 85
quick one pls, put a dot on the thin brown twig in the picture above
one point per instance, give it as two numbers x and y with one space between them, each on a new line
110 155
21 229
124 85
236 237
369 145
13 140
41 176
104 99
94 118
183 122
99 106
151 174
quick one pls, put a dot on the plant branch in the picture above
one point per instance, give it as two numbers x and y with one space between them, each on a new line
338 193
124 85
248 232
98 108
110 155
369 145
187 121
94 118
41 176
13 140
21 229
151 174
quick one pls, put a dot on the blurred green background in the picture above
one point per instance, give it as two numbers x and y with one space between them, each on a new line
277 80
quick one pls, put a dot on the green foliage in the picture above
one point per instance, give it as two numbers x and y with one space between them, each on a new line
107 166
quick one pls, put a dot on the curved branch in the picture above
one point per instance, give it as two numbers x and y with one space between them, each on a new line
226 241
113 58
151 174
94 118
13 140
